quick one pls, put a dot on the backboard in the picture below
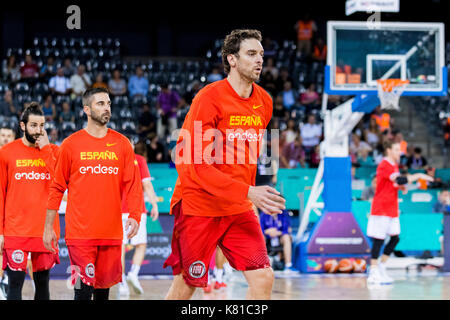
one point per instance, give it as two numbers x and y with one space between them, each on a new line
361 52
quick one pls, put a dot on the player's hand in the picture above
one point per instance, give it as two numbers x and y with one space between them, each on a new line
154 213
2 240
50 240
132 226
42 141
267 199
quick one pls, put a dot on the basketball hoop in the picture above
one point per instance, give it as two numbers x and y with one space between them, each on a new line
389 92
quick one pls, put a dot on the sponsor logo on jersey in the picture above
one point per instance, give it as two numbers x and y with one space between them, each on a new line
32 176
197 269
249 135
240 120
30 163
256 107
94 155
99 169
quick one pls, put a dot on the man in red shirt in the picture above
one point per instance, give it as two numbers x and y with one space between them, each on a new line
97 165
384 216
216 161
26 168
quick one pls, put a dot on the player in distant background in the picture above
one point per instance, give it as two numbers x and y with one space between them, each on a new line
26 170
140 240
384 215
97 165
212 202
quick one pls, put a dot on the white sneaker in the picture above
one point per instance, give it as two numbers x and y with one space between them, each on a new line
133 280
384 275
123 291
375 276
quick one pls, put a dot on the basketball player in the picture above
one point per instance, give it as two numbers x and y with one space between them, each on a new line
95 164
140 240
7 135
26 169
212 202
384 216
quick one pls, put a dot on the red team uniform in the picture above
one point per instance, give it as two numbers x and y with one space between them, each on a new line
25 177
384 215
210 199
96 172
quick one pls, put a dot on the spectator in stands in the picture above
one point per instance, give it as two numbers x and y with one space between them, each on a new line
183 109
283 77
29 72
270 47
49 109
48 70
279 111
277 230
270 67
372 133
369 192
314 160
147 121
138 84
69 69
66 115
8 106
310 98
7 135
268 83
306 28
99 83
360 149
53 137
383 119
311 135
215 75
289 96
442 205
80 81
320 50
192 91
155 150
447 132
398 138
11 70
293 155
417 161
437 183
117 85
291 132
60 84
167 105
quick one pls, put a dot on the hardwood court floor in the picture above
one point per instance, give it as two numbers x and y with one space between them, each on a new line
427 285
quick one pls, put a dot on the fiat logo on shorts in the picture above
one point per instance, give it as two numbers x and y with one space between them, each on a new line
197 269
17 256
90 270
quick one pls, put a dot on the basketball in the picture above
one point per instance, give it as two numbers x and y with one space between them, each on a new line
359 265
331 266
345 265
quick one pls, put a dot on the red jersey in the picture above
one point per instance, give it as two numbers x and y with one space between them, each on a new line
96 172
144 174
217 167
385 200
25 177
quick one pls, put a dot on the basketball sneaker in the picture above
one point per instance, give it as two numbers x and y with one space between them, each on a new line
290 270
375 276
386 278
133 280
123 291
219 285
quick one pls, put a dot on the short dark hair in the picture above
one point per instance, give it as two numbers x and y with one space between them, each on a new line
232 43
388 144
33 109
87 95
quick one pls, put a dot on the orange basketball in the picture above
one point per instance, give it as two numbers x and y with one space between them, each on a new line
359 265
345 265
331 265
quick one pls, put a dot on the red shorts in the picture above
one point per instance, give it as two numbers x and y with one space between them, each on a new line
196 237
17 259
97 266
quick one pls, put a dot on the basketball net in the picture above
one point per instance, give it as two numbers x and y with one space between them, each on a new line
389 92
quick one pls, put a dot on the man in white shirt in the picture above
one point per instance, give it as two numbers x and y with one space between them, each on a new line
59 84
311 133
80 81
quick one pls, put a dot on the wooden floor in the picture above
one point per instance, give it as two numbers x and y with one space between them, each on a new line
428 284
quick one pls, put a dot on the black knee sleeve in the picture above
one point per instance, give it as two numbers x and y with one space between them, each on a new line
101 294
41 282
376 247
15 284
391 245
84 292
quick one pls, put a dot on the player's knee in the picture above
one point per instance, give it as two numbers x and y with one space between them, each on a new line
266 278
